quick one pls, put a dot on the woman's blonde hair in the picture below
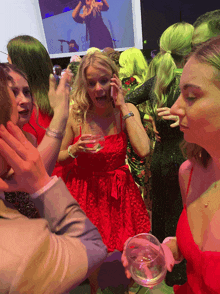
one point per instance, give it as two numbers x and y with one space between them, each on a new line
79 98
153 66
93 5
133 64
175 43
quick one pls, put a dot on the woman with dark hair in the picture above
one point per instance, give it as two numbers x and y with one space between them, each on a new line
53 254
29 55
49 146
96 29
51 142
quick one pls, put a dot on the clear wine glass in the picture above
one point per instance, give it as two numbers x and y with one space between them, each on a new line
146 260
99 139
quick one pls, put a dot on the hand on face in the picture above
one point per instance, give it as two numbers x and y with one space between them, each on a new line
29 171
117 92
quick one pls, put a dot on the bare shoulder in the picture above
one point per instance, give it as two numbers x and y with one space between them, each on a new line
186 167
70 132
132 107
73 122
184 175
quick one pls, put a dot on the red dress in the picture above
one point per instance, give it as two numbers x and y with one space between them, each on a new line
103 186
43 120
203 267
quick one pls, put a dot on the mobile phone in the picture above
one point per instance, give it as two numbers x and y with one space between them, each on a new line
113 102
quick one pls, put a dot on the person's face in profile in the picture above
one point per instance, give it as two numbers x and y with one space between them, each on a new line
4 167
98 85
198 105
23 97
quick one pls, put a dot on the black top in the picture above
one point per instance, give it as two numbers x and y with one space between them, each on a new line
146 93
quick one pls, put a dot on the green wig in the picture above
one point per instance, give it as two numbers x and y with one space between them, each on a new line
175 43
29 55
133 64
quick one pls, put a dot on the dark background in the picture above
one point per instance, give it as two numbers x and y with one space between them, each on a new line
157 16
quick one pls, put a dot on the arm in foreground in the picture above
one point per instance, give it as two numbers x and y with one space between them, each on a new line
54 254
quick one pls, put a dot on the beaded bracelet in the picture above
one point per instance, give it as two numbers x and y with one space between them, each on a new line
128 115
54 134
70 154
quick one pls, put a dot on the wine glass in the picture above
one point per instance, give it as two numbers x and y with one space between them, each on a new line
146 260
98 137
98 145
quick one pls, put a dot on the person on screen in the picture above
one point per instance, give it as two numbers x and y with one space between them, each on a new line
52 254
99 34
73 46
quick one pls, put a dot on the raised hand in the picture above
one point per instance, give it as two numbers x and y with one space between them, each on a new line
87 143
29 171
164 112
117 92
59 96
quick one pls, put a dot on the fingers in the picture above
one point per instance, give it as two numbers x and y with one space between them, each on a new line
52 84
176 124
127 273
15 140
66 78
12 158
8 185
163 111
85 137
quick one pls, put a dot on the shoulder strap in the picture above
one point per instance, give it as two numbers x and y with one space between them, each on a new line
190 177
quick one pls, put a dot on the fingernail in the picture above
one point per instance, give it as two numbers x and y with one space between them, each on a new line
51 76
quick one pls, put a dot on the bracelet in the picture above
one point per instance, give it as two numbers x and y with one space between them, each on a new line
128 115
54 134
70 154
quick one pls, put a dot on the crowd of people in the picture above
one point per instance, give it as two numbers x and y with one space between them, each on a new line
110 148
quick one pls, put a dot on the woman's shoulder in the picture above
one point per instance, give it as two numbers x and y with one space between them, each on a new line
185 170
186 167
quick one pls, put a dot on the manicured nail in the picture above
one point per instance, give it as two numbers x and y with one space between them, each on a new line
51 76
